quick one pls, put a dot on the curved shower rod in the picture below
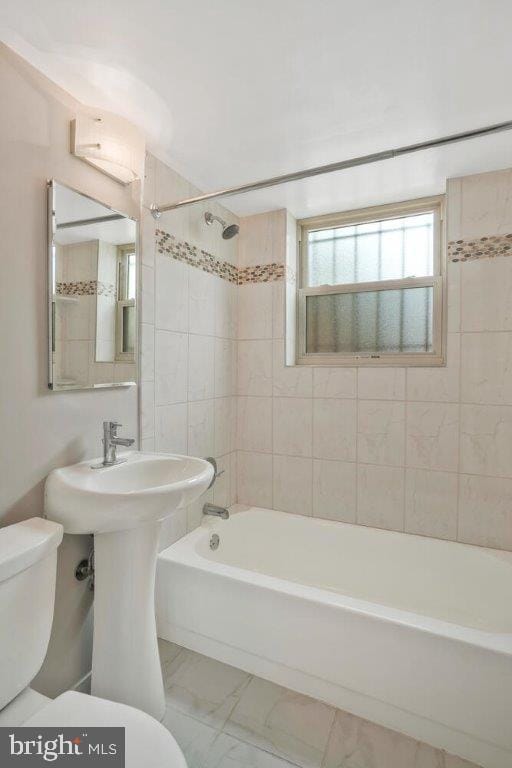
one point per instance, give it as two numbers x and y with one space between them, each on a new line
376 157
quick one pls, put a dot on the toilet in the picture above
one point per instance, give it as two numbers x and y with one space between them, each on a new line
28 560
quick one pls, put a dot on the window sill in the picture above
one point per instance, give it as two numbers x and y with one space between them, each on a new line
386 361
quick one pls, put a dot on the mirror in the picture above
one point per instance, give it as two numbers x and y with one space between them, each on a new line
92 303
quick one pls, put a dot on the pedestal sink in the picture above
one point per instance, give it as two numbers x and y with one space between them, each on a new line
123 506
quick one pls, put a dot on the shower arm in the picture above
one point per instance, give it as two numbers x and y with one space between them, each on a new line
319 170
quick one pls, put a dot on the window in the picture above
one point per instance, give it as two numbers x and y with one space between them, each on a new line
371 286
126 295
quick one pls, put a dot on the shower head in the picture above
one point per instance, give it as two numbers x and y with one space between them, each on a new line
228 230
231 231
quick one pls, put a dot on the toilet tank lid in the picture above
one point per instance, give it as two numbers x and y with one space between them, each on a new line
23 544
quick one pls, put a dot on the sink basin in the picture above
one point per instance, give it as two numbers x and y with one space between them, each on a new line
145 487
123 506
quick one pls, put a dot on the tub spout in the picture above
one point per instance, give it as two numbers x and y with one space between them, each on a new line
212 509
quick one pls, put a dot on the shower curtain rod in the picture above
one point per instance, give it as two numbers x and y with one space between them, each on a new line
376 157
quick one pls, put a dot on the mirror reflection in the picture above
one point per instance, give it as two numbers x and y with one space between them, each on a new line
93 292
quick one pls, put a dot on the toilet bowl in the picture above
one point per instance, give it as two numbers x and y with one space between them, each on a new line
28 560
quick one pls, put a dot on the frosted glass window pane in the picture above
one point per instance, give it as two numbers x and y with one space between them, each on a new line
377 250
370 322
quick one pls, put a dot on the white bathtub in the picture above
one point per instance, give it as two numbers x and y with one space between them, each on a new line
409 632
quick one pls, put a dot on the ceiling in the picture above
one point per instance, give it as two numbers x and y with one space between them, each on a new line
233 91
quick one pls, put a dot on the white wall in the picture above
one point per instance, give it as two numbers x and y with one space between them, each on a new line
422 450
40 429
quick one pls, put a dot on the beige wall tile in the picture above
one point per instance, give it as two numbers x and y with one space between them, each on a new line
334 382
486 368
293 484
288 381
254 424
225 425
380 496
334 490
171 428
201 425
485 514
201 302
486 204
255 311
171 294
381 432
440 384
334 429
262 239
201 368
486 440
292 426
381 383
225 367
254 479
254 371
486 289
431 503
433 436
171 367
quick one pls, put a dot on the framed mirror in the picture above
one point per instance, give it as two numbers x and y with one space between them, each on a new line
92 292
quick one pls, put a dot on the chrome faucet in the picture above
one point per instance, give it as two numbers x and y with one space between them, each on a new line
110 443
215 511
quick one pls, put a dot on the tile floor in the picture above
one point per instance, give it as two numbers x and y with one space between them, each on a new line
225 718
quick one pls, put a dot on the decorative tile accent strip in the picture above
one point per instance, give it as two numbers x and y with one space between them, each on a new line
86 288
190 254
261 273
480 248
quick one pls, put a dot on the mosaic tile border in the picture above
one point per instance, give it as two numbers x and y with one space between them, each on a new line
86 288
196 257
181 250
480 248
261 273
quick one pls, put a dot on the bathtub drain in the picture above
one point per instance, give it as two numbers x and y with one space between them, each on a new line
214 541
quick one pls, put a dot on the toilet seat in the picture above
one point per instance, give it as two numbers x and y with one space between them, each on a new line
147 742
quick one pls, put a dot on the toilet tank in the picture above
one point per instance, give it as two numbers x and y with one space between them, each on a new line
28 563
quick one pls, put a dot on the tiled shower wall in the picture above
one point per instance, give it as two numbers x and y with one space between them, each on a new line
422 450
188 332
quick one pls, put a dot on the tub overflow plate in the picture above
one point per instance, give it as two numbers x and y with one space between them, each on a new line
214 541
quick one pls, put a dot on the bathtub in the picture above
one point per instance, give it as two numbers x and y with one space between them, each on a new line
412 633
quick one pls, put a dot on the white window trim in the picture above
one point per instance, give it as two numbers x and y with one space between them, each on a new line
438 281
120 356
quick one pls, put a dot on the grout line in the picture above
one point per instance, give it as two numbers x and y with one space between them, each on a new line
459 475
357 447
329 735
406 430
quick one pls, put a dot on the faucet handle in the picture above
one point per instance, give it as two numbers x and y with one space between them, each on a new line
111 425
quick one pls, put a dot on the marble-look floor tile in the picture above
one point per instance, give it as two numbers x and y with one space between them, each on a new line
168 652
357 743
228 752
280 721
194 738
203 688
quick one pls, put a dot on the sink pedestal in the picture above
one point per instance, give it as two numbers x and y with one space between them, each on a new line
122 505
125 660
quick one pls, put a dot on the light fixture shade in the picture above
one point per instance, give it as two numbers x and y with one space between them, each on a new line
109 143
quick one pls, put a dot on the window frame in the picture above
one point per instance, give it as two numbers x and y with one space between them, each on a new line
122 252
435 205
